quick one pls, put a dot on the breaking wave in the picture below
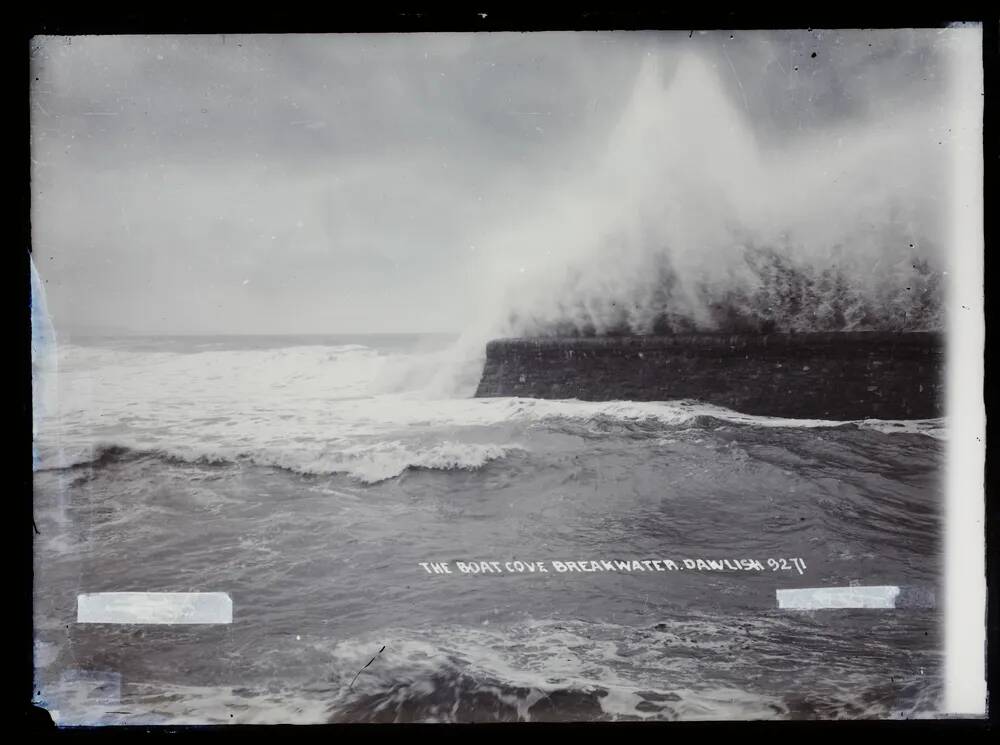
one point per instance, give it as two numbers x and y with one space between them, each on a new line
369 464
347 409
689 224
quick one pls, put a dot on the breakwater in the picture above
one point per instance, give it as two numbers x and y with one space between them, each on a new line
843 375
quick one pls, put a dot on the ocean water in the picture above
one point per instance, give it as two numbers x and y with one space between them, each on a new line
309 478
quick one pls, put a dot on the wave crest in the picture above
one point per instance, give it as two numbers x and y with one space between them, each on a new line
369 464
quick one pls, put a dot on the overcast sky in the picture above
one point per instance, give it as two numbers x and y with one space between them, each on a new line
349 183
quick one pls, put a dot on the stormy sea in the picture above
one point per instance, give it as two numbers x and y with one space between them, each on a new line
317 481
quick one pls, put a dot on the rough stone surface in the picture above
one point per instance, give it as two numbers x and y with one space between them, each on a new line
843 376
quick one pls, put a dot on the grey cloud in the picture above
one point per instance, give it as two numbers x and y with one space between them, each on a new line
344 175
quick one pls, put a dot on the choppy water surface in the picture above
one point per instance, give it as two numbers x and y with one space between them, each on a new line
309 478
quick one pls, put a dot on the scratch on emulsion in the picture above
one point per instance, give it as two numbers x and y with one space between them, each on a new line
746 104
351 686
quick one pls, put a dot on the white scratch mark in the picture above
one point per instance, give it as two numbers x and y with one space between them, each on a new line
746 104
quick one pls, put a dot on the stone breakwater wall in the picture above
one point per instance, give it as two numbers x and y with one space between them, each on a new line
841 376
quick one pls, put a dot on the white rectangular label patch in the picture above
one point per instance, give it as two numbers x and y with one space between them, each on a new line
154 607
814 598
